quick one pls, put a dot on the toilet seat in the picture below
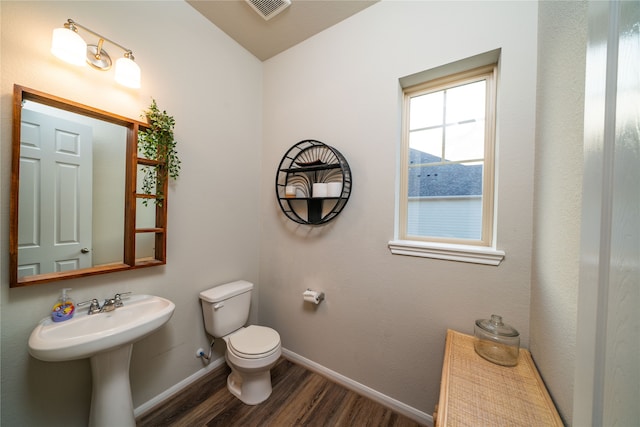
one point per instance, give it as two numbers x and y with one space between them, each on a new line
254 342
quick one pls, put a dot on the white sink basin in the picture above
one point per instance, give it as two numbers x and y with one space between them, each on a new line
87 335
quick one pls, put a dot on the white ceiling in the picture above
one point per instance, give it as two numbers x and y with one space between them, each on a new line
264 39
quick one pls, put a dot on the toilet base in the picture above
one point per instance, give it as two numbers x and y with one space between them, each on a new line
250 388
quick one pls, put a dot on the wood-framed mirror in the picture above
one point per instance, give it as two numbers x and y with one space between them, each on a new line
76 207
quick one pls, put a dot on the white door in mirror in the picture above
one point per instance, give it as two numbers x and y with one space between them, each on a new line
55 195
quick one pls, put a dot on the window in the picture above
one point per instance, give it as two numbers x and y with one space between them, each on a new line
446 195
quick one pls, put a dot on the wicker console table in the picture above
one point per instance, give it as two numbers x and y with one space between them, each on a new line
476 392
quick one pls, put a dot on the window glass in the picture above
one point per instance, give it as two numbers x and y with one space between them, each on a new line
427 110
447 177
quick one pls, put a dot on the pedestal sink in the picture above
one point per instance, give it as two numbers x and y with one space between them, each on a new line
107 340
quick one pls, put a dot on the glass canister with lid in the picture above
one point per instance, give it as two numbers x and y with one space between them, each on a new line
496 341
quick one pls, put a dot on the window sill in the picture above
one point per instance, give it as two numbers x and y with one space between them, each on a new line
446 251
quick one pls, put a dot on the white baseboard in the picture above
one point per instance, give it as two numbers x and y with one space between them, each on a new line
177 388
397 406
368 392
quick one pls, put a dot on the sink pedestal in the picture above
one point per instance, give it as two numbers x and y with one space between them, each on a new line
111 403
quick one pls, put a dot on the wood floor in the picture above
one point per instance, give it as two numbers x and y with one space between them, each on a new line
299 398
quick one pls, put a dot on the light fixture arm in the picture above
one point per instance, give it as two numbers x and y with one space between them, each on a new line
99 48
71 23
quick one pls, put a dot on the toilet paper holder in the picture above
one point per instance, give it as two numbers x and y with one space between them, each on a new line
313 297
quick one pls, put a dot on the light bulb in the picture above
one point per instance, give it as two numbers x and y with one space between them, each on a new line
67 45
127 73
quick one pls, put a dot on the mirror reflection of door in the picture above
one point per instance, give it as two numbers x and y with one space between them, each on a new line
55 203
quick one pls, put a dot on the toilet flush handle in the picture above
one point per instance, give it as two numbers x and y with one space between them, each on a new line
218 305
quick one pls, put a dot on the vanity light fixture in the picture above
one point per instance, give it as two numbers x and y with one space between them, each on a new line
69 46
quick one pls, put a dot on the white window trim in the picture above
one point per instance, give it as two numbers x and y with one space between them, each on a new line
471 253
448 251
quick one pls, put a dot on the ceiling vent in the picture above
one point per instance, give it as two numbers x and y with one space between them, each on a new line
269 8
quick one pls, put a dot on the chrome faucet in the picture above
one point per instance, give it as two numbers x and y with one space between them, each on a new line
109 304
94 306
118 298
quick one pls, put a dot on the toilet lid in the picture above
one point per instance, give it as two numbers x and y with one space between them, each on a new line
254 341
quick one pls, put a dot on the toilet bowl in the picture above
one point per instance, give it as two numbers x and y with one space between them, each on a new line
252 350
251 353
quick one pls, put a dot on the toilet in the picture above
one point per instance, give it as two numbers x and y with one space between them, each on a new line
252 350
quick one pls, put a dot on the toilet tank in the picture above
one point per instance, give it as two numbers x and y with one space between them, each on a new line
226 307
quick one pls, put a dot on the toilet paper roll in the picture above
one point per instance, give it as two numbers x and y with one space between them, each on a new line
319 189
334 189
313 297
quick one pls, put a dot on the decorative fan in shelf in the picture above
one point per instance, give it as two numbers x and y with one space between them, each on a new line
302 183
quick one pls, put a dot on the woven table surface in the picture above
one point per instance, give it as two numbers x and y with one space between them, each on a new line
476 392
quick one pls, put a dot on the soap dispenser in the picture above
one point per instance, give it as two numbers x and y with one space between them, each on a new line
64 308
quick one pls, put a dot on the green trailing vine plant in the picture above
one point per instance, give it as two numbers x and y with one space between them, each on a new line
157 142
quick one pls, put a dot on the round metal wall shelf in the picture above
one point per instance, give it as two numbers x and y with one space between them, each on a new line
307 163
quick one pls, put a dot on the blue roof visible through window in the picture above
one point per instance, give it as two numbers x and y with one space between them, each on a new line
442 180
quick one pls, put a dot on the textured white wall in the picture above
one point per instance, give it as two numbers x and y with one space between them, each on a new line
213 88
558 195
384 321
